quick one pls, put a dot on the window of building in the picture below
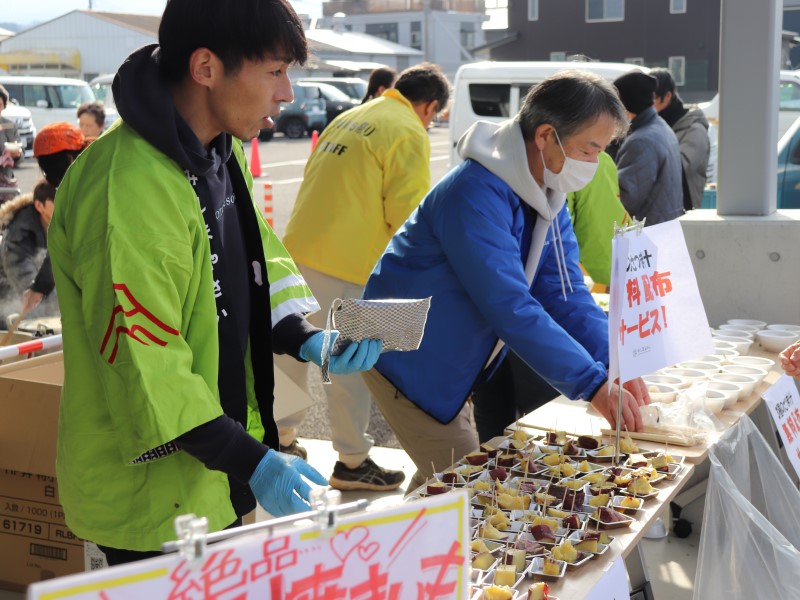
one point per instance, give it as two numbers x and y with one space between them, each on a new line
636 60
558 56
677 6
533 10
416 35
386 31
605 10
467 35
677 66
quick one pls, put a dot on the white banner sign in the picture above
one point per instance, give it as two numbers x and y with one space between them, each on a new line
418 551
783 401
656 315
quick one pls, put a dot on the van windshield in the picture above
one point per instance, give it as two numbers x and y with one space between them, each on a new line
56 96
72 96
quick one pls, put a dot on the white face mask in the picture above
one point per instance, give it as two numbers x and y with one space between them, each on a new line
575 174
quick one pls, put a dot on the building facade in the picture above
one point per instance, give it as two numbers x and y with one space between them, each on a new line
444 31
682 35
81 44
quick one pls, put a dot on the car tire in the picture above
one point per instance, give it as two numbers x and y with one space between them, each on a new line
294 129
265 135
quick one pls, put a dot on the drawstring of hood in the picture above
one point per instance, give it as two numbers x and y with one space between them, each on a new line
561 259
563 272
500 148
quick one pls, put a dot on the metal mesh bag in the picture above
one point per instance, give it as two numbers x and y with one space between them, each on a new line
399 323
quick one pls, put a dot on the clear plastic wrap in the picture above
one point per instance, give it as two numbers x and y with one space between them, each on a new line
751 523
683 421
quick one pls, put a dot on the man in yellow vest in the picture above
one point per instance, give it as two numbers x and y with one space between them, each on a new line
369 171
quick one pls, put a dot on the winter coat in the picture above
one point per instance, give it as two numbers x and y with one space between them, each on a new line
483 244
594 210
22 249
692 133
649 166
370 169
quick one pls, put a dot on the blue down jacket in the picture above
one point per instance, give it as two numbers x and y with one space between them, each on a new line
466 247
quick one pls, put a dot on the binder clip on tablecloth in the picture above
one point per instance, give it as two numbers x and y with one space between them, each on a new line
398 323
324 511
192 533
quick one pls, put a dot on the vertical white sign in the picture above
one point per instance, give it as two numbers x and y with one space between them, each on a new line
613 585
660 319
783 401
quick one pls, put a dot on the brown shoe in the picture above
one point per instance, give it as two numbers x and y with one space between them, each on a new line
296 449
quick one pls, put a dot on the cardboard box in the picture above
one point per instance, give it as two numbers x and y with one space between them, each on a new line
35 542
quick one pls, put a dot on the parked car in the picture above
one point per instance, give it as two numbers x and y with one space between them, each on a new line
788 111
788 171
50 99
354 87
789 167
336 101
303 115
25 128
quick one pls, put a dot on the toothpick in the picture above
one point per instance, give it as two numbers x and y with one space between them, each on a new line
452 456
434 470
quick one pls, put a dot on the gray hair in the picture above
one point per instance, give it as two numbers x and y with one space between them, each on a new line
569 101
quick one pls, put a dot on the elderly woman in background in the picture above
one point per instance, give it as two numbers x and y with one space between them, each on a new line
91 120
493 245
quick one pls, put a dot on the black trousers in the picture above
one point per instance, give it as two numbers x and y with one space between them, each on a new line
514 390
116 556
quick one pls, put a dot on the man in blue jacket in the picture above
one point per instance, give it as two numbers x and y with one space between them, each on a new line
493 244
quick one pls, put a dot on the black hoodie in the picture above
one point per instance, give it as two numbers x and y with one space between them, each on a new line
145 103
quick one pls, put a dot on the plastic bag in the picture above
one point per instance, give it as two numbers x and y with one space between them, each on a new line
685 420
751 522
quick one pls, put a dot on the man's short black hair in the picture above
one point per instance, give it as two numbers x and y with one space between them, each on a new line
54 166
665 81
234 31
423 83
4 95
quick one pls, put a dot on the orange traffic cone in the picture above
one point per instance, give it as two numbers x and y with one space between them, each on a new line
255 159
314 139
268 203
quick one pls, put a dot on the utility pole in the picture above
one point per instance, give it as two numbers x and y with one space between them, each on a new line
426 29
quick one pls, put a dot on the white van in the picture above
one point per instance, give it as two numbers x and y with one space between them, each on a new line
49 99
493 91
101 88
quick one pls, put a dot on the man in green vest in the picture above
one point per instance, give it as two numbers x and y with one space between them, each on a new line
175 293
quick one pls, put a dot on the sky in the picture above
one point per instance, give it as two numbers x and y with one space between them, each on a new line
30 11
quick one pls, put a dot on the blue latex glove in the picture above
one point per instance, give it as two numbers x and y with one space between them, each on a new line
358 356
278 486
